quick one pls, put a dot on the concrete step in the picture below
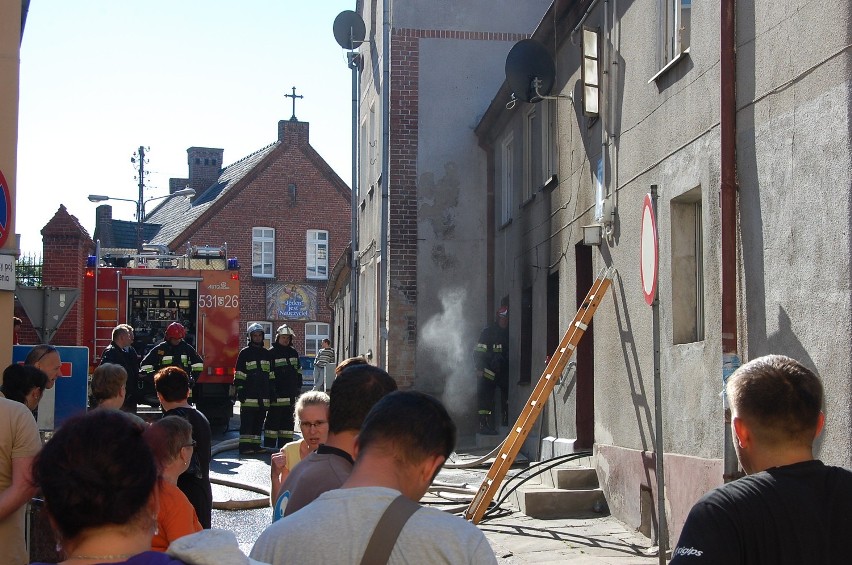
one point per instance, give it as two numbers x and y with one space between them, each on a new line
571 478
550 503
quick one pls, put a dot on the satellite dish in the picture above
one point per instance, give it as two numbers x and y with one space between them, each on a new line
527 61
349 29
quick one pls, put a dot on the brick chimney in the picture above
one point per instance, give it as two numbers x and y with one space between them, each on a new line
103 224
177 184
205 165
292 132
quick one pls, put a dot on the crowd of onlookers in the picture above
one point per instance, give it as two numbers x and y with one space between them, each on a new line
119 490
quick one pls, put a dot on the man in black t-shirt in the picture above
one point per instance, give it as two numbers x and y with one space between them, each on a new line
172 386
790 508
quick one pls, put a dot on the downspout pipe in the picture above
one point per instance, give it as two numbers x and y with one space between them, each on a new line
354 64
384 255
728 165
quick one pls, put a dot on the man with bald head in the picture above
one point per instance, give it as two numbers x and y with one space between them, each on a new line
46 357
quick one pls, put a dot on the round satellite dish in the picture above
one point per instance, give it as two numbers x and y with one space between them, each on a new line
529 60
349 29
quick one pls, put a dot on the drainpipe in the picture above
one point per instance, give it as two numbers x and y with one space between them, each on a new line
354 264
728 119
381 359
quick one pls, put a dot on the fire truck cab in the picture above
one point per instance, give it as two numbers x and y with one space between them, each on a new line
149 291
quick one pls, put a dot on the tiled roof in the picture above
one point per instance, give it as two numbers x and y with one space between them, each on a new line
124 233
176 214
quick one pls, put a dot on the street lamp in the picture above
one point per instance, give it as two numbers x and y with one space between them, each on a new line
140 208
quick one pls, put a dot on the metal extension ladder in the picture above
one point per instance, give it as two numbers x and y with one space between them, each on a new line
518 434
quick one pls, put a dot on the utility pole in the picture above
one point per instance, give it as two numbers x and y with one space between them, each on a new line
140 203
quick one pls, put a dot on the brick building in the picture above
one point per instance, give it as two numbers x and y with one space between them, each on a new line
283 213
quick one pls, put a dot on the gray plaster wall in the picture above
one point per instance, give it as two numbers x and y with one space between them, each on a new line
457 80
794 172
509 16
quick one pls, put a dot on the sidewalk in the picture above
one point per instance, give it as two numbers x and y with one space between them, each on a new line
592 539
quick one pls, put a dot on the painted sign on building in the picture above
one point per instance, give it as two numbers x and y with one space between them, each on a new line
291 302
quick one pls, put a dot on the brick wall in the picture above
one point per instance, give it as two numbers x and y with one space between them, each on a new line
322 202
66 246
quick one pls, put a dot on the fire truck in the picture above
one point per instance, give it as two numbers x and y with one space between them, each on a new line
149 291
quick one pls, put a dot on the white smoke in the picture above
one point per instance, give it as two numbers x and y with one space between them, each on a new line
447 340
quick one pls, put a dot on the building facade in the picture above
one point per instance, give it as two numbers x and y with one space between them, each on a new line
420 254
282 212
676 97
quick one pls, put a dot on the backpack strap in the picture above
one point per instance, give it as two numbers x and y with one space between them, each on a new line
387 530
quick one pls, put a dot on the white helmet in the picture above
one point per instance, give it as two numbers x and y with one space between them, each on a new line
255 327
284 330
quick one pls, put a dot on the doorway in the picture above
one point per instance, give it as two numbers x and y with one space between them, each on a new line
585 357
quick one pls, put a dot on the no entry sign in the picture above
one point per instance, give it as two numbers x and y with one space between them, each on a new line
649 251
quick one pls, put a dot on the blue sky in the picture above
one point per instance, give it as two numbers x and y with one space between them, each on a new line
99 79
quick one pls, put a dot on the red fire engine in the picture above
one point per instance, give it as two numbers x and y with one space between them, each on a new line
200 289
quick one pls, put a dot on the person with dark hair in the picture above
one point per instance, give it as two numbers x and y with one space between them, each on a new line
170 440
172 386
120 351
98 479
46 358
353 394
404 442
24 384
323 364
790 508
19 444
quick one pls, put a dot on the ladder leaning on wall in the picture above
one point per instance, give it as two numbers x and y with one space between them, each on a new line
518 434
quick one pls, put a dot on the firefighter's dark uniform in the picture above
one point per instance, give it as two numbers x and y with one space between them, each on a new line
165 354
491 358
287 371
129 359
252 383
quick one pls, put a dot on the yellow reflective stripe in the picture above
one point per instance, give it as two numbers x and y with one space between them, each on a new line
481 348
498 348
197 367
265 366
484 412
147 368
167 359
488 374
251 365
280 361
250 403
294 361
240 376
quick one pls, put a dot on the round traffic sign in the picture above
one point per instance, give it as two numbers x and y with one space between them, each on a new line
649 251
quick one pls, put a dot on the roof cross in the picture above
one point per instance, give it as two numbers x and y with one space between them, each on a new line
293 96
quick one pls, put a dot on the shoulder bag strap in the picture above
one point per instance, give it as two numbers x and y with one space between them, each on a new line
387 530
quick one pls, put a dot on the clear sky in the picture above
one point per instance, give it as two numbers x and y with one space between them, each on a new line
100 78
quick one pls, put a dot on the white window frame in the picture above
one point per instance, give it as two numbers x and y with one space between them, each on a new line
267 331
507 154
316 255
315 332
675 29
264 239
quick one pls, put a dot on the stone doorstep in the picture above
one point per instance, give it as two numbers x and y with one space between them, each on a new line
571 478
551 503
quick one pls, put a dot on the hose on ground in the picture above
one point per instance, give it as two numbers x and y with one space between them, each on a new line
250 504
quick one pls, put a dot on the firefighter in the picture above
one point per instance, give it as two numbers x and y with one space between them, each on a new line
491 358
287 371
174 350
254 389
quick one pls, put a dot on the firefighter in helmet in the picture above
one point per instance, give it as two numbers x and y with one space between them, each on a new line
173 350
287 371
252 383
491 358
